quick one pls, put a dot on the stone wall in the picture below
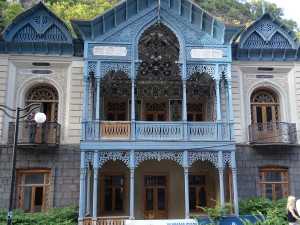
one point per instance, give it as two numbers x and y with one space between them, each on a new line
250 159
63 162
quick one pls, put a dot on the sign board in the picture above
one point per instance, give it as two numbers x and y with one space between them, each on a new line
162 222
110 51
199 53
232 220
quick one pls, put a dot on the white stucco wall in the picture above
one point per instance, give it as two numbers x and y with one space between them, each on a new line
285 83
16 79
3 90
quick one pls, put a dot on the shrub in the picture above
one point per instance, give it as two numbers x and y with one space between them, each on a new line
56 216
274 213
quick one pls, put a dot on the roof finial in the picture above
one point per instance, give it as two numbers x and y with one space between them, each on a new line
263 6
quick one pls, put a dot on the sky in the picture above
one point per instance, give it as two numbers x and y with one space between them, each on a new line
291 8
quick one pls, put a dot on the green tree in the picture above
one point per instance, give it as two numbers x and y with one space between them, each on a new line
9 12
241 13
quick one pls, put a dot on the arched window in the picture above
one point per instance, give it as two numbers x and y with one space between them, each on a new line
46 95
264 106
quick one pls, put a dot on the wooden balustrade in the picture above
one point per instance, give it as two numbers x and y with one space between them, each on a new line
161 131
115 130
113 220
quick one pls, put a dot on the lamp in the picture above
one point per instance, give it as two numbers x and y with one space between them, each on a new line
40 117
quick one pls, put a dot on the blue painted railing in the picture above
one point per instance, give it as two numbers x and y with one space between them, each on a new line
157 131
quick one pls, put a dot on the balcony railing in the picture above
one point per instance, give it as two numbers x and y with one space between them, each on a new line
157 131
115 130
270 133
31 133
110 220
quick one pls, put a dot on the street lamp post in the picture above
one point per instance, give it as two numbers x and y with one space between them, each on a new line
20 113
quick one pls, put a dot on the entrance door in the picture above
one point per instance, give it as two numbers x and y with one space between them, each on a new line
155 197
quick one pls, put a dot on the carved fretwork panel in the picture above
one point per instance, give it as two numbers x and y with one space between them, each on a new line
42 92
159 52
159 89
201 97
116 84
199 85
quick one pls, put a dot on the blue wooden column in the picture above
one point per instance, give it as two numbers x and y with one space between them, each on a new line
95 187
131 198
132 101
98 85
230 105
218 97
82 193
234 183
98 101
186 184
184 100
85 105
221 178
184 109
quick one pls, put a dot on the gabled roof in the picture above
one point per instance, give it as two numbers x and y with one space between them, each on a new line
125 10
37 30
266 38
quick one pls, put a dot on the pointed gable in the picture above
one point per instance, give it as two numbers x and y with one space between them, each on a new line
268 39
267 33
38 30
128 10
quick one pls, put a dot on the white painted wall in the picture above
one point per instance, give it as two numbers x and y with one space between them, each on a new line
16 79
285 82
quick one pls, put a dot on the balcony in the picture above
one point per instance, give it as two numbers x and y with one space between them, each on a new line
157 131
32 134
272 133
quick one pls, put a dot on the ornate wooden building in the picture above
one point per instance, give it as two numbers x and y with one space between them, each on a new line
154 110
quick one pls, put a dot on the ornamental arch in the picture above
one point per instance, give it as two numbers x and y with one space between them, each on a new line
277 90
47 96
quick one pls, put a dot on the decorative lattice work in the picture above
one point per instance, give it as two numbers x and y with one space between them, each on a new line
159 52
116 84
200 69
264 96
254 41
42 93
41 22
92 67
223 70
203 156
122 156
278 41
227 160
266 28
88 158
29 34
173 156
115 67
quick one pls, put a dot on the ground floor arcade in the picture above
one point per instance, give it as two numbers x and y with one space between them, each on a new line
154 185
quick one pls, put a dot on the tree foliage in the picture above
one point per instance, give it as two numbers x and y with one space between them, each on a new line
242 13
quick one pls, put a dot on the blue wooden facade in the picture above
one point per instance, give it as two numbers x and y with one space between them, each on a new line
111 43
